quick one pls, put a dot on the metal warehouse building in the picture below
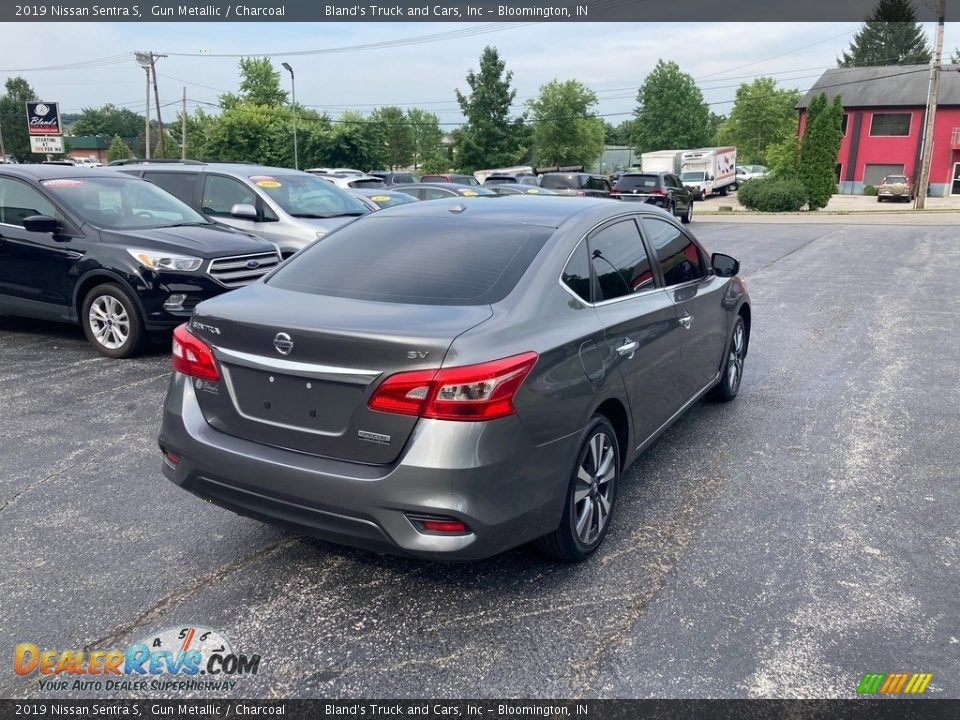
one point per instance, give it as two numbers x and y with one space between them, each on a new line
884 116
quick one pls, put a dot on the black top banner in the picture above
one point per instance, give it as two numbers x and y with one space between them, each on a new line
43 118
459 11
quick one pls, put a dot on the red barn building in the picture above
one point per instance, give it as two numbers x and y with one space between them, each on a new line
884 116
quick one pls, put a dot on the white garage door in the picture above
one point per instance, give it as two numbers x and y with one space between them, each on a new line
873 174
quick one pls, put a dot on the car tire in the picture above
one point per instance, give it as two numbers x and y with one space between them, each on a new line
879 199
687 217
732 373
111 321
723 191
591 496
671 207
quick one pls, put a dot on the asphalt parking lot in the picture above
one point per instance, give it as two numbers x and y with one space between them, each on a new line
780 545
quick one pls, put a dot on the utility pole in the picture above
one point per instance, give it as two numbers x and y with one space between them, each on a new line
293 92
156 95
183 126
932 99
144 61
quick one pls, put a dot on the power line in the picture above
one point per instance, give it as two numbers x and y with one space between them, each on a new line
416 40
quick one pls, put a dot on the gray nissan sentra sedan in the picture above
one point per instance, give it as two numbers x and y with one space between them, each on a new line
454 378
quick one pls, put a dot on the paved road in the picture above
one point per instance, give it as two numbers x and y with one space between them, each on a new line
780 545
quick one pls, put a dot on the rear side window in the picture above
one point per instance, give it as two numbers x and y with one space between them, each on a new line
420 261
182 186
679 258
620 261
576 274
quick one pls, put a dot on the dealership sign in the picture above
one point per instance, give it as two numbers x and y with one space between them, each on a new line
43 118
43 145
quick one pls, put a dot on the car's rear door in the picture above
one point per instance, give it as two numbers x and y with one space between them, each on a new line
641 333
698 294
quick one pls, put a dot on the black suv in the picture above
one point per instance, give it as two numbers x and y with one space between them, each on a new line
118 255
662 189
576 183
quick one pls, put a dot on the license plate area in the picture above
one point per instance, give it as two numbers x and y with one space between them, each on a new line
318 406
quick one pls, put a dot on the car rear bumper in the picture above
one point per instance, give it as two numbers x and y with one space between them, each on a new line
488 475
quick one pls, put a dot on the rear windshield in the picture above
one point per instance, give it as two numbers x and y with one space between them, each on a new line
419 261
894 179
635 182
560 182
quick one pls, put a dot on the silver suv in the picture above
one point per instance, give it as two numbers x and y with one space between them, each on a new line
288 207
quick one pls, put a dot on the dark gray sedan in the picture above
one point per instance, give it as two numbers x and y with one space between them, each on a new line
450 379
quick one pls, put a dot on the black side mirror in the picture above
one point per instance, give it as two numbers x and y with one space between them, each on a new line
724 265
41 224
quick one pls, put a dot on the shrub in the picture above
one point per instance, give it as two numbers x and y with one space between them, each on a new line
773 195
870 190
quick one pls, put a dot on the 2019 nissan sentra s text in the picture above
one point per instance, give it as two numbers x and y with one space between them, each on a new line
454 378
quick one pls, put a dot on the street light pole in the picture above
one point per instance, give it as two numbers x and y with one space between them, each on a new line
144 60
293 96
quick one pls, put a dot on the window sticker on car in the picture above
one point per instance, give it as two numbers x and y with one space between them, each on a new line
533 191
268 184
110 200
381 198
468 193
258 178
62 183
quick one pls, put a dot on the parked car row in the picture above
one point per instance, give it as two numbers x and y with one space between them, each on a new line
231 221
421 381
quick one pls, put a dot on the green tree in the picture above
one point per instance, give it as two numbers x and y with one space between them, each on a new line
355 142
490 138
762 115
818 149
425 128
259 85
955 57
890 36
254 133
109 120
782 158
618 134
565 129
118 150
399 143
671 112
13 117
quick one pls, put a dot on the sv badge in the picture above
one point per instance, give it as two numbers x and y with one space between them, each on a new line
417 354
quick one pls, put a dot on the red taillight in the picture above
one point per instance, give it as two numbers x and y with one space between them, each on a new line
192 356
172 459
658 191
581 193
473 392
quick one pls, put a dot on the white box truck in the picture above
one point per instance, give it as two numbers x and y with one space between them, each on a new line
709 171
662 161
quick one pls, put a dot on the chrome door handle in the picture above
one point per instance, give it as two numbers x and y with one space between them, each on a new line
685 320
628 348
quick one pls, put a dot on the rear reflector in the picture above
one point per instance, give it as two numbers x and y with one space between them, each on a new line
172 459
192 356
472 392
439 525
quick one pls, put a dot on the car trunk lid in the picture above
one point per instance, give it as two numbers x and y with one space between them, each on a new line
301 378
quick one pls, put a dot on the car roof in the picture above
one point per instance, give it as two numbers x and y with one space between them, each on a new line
541 210
50 172
444 185
241 169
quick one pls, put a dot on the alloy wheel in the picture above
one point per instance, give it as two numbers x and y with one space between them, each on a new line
594 491
735 361
109 322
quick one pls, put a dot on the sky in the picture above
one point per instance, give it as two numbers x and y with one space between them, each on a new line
610 58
